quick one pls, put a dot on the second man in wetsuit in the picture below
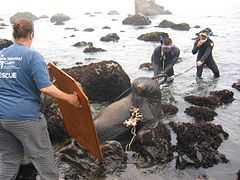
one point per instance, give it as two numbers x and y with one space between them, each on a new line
204 46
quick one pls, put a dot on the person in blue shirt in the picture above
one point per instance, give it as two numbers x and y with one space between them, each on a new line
23 129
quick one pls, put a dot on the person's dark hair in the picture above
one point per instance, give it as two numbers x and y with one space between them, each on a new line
22 27
167 41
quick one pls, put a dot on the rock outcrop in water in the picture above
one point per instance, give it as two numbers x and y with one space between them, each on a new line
215 99
110 37
137 20
88 30
197 144
103 81
201 113
236 85
152 36
59 19
4 43
82 44
23 15
113 12
149 8
146 67
92 49
172 25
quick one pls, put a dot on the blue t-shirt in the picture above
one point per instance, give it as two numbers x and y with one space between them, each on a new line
23 72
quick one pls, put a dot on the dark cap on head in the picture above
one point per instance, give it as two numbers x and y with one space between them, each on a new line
22 28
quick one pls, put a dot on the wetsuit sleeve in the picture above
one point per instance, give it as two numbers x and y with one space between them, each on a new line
39 71
195 48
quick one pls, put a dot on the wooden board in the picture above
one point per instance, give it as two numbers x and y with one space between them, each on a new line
77 121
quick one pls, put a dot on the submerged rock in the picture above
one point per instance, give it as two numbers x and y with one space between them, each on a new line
209 101
4 43
110 37
71 28
201 113
43 17
113 12
92 49
149 8
169 109
59 19
76 163
106 27
146 67
103 81
225 96
152 36
88 30
136 20
236 85
82 44
169 24
23 15
197 144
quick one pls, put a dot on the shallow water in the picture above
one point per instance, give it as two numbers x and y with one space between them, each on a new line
130 53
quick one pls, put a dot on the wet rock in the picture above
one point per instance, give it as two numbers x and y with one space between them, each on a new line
27 172
236 85
92 49
149 8
4 43
76 163
57 133
59 19
82 44
154 144
103 81
225 96
43 17
152 36
110 37
23 15
113 12
137 20
169 24
197 27
197 144
201 113
146 67
209 101
59 23
169 109
71 28
106 27
3 24
166 24
88 30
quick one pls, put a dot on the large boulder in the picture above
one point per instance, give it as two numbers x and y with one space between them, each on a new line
198 144
149 8
59 18
23 15
137 20
152 36
103 81
110 37
170 24
4 43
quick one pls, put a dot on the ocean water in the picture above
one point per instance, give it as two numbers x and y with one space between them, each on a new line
223 18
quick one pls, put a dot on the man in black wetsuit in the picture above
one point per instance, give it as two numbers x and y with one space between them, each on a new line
204 46
164 57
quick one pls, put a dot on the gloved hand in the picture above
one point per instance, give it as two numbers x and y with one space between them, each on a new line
199 63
